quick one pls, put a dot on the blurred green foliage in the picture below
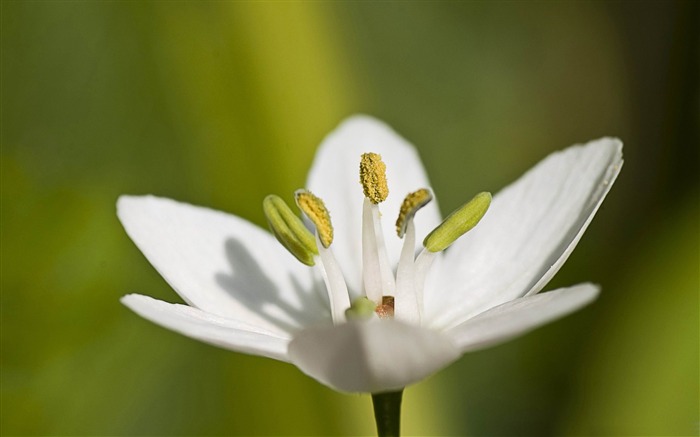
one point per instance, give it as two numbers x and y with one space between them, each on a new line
219 104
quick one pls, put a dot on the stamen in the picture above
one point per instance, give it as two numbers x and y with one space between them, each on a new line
289 230
373 177
316 211
458 223
377 274
409 300
411 204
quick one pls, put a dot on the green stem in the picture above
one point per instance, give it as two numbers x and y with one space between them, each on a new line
387 413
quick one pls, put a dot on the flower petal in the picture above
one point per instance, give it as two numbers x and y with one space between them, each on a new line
371 357
334 177
519 316
209 328
527 234
223 265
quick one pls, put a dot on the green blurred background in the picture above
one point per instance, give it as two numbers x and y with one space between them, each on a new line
219 104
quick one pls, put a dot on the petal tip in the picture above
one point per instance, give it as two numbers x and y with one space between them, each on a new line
123 201
127 201
132 299
358 120
360 126
589 291
612 144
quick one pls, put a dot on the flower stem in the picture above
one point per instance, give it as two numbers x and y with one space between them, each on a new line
387 413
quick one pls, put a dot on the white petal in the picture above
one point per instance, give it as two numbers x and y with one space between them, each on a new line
209 328
371 356
334 177
519 316
529 231
222 264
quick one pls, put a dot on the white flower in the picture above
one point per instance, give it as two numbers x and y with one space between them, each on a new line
246 293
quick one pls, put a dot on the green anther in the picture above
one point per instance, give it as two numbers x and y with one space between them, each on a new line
316 211
458 223
361 309
290 230
411 204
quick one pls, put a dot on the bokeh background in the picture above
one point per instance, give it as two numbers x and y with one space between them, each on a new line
219 104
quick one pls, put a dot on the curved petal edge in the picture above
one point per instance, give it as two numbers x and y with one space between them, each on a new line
371 357
530 230
596 198
519 316
209 328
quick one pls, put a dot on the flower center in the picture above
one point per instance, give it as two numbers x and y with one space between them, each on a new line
385 295
386 309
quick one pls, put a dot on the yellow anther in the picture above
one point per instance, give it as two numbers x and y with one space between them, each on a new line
316 211
373 177
290 230
411 204
458 223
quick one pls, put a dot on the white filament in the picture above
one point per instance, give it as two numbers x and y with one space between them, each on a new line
405 301
377 274
371 273
387 275
423 262
335 283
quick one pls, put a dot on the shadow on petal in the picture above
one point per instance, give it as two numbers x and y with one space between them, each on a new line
289 309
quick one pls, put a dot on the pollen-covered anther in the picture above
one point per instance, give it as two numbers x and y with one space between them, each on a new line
316 211
411 204
373 177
